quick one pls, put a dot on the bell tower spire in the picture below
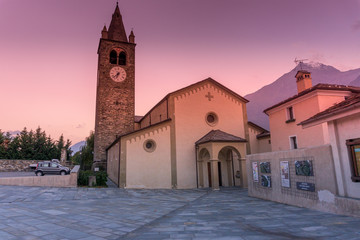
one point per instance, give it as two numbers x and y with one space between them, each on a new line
115 95
116 29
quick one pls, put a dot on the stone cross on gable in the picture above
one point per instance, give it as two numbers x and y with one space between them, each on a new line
209 96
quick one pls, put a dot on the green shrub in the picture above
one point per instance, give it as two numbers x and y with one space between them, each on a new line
83 179
101 178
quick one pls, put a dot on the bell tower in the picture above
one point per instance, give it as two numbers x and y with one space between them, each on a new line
115 94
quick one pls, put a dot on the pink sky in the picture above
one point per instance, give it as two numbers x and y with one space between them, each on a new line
48 51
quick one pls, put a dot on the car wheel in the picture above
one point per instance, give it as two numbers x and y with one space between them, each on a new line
62 173
39 174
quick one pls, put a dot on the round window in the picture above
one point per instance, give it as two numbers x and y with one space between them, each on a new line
211 119
149 145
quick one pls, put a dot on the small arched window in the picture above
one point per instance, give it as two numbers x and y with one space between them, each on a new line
122 58
113 57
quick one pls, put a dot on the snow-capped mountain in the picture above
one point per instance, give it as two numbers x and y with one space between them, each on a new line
77 147
285 87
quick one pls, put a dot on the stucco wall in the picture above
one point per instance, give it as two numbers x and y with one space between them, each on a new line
148 169
113 163
325 197
258 145
340 131
303 108
191 108
281 131
254 148
158 114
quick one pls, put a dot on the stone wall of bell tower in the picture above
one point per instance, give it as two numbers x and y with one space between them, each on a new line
115 95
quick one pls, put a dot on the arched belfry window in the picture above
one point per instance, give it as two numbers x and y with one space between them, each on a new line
113 57
122 58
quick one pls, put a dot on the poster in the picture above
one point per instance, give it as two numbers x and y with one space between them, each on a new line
265 181
255 171
265 167
304 168
284 172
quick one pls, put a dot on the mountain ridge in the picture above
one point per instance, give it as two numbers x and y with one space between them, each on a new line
285 87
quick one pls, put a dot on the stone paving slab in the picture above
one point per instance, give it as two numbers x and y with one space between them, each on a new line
112 213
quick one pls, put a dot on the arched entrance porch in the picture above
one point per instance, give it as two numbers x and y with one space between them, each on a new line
219 161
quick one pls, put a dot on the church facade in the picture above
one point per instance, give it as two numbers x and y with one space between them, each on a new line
197 136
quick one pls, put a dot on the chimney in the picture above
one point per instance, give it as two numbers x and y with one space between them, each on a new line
303 80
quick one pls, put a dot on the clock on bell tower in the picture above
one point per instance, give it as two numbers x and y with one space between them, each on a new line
115 94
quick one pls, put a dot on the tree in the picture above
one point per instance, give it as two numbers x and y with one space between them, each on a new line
40 150
87 153
3 145
32 145
13 150
26 144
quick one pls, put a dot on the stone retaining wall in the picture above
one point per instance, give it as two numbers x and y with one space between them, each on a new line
12 165
44 181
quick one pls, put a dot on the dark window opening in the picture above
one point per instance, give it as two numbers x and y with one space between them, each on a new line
354 155
122 58
149 145
290 115
293 142
211 118
113 57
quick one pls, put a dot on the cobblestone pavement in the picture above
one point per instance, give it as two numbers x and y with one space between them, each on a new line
111 213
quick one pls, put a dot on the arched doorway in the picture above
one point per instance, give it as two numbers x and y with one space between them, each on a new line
229 169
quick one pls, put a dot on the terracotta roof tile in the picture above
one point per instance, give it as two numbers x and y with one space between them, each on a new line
263 135
137 119
219 136
257 126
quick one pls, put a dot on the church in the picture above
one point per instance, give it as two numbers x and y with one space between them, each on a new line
195 137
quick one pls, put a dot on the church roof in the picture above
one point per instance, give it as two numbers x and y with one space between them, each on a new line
263 132
257 127
348 104
320 86
219 136
138 118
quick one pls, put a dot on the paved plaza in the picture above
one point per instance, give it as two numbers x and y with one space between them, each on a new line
111 213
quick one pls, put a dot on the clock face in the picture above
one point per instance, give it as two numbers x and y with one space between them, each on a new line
117 74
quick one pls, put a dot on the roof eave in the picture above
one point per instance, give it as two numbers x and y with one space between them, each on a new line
219 141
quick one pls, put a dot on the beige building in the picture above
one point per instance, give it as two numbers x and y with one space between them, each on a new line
194 137
343 124
285 116
259 139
